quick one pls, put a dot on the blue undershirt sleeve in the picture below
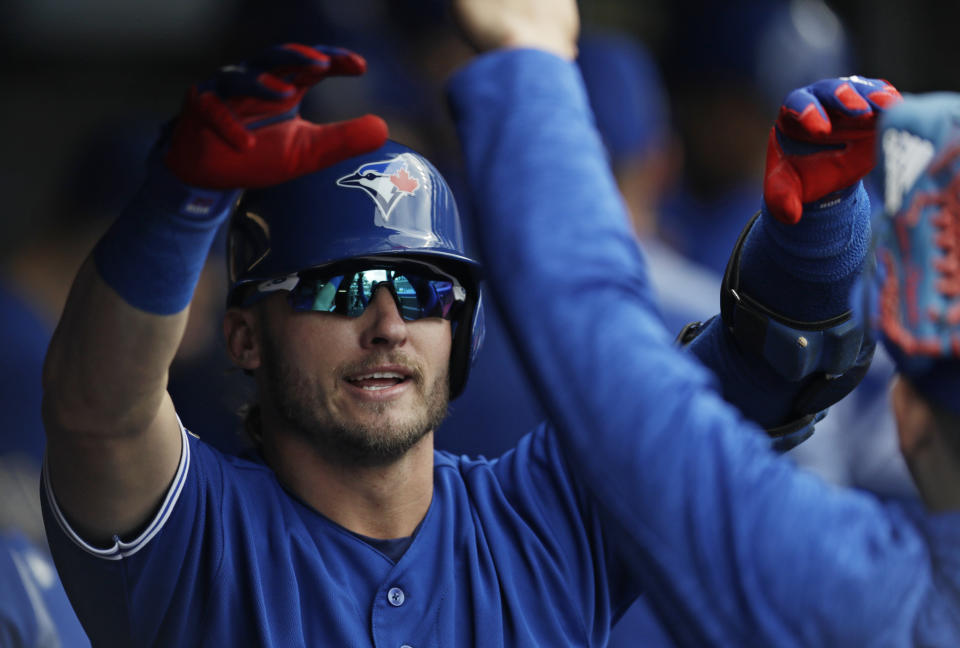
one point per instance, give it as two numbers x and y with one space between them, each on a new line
734 545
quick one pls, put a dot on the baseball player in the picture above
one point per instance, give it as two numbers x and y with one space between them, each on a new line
356 310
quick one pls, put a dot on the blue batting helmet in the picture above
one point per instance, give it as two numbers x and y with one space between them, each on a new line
388 203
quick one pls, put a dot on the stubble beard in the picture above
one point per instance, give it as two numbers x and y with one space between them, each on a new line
301 403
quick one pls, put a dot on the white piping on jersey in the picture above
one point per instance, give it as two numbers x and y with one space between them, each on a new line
121 549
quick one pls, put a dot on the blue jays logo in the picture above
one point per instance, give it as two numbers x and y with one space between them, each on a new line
386 182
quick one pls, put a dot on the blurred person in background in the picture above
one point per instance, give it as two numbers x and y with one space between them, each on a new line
36 274
103 172
729 67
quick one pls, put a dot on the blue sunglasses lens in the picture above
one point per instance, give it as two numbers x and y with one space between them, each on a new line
418 292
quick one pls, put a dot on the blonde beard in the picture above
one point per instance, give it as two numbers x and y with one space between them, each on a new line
299 402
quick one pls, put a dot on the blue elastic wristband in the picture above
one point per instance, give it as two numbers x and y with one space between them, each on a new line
806 271
153 253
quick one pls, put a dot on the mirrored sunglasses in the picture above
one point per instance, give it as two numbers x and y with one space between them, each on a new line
419 289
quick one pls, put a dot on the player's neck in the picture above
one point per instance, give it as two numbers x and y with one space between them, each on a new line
379 502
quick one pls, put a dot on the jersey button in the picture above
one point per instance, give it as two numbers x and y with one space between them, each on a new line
396 596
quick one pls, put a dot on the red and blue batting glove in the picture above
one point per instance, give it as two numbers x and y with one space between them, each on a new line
915 292
239 130
823 142
242 128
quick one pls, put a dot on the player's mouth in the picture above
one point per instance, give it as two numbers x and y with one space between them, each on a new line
381 382
377 380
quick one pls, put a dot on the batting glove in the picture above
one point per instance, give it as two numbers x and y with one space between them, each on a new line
823 142
916 288
242 128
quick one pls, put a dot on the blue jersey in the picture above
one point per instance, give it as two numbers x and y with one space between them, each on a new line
511 553
735 546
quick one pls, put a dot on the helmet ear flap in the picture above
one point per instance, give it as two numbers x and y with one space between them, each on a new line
478 328
248 242
467 340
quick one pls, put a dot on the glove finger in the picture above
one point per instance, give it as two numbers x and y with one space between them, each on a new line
853 103
270 98
825 111
288 55
885 97
292 63
802 116
782 188
847 104
321 145
842 97
878 92
340 62
234 82
245 79
213 113
343 62
278 72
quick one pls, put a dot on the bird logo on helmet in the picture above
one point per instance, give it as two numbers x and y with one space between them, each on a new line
404 209
385 181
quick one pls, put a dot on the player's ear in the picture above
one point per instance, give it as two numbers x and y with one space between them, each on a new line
240 331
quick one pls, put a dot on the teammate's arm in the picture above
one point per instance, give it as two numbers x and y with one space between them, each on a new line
789 278
497 24
113 437
734 544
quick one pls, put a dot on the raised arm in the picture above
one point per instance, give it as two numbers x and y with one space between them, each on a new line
114 442
733 544
786 345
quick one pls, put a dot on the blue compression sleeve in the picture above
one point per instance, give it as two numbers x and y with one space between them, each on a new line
803 271
806 271
153 253
733 544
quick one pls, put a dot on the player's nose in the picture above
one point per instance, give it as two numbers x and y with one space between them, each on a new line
382 323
